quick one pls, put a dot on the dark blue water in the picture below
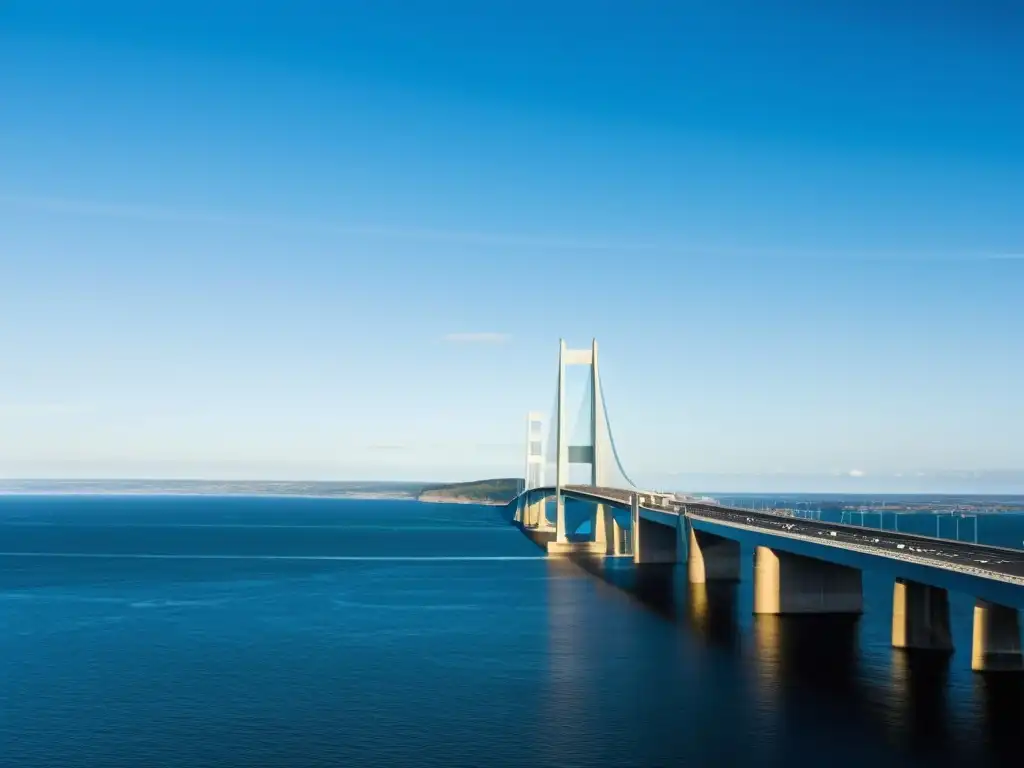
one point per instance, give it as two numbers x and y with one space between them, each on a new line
304 632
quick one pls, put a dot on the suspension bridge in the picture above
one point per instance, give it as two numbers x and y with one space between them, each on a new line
578 501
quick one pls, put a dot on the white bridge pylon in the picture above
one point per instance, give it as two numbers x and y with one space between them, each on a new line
534 450
575 454
589 444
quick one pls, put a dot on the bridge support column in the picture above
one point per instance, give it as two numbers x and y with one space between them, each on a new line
561 535
619 538
533 512
655 543
711 558
788 583
601 533
996 638
541 514
920 617
607 531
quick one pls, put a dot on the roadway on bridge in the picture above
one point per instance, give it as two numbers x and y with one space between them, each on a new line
620 496
980 559
960 555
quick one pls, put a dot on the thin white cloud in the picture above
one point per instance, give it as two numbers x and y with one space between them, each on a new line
444 445
109 210
856 473
42 409
158 213
485 337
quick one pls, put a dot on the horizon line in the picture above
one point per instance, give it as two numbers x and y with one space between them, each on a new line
719 493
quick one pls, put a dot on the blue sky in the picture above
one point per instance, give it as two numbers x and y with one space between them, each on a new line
342 240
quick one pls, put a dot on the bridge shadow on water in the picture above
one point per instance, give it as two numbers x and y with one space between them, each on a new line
812 672
1002 715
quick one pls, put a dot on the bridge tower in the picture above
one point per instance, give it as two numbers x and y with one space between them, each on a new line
534 450
591 454
531 508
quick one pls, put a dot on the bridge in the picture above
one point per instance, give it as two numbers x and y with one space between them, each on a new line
801 566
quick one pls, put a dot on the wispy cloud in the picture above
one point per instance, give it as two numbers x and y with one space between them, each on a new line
42 409
485 337
159 213
99 209
435 446
662 245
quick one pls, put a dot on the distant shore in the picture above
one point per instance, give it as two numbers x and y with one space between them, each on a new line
354 496
495 492
240 494
458 500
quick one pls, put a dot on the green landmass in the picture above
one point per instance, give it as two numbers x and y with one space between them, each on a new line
494 491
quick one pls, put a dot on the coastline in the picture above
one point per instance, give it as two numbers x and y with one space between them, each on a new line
366 496
488 492
462 500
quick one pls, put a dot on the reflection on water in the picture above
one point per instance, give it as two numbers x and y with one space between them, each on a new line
812 681
655 587
712 613
1000 714
817 651
802 664
513 659
919 717
564 620
568 681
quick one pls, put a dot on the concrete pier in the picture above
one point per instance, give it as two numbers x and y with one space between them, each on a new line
561 534
920 617
607 531
996 644
565 548
788 583
618 544
655 543
539 537
598 544
712 558
534 515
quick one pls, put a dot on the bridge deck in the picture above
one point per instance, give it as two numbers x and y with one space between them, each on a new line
977 558
999 563
612 494
619 496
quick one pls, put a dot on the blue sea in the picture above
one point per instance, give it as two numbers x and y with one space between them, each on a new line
204 631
